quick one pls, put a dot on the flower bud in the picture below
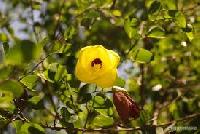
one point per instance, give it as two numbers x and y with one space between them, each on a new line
125 105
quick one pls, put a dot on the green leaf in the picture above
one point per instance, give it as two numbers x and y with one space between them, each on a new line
99 100
91 14
170 4
31 128
22 52
82 3
116 13
102 121
174 109
190 35
65 115
155 7
55 72
4 72
92 115
148 3
130 28
12 86
141 55
69 33
146 114
61 70
29 81
3 37
36 5
17 125
180 19
156 32
84 95
6 101
3 123
108 103
120 82
35 99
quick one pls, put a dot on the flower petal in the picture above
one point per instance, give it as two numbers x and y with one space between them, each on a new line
107 79
114 58
89 53
83 74
86 56
103 72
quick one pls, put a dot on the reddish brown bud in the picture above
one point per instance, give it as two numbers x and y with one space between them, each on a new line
125 105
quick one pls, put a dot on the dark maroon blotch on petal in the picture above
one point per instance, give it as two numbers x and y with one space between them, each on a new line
96 61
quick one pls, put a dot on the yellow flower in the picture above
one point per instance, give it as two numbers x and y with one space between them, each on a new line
97 65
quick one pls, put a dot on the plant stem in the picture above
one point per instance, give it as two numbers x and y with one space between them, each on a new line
89 111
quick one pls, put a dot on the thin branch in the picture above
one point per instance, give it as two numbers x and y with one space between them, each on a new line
33 69
95 129
160 109
133 44
23 117
113 4
89 110
141 33
189 117
50 95
165 105
142 87
58 20
86 121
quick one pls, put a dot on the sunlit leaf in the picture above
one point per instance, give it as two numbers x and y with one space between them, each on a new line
17 125
156 32
6 101
12 86
102 121
170 4
29 81
120 82
141 55
116 13
145 114
31 128
55 72
35 99
148 3
69 32
3 37
180 20
130 27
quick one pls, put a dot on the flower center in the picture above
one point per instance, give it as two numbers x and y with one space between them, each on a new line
97 63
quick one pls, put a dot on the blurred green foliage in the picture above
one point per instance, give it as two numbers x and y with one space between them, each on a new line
158 42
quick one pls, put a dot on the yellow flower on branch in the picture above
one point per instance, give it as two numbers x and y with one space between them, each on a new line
98 65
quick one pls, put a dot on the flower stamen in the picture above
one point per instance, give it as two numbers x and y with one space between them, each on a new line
96 61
